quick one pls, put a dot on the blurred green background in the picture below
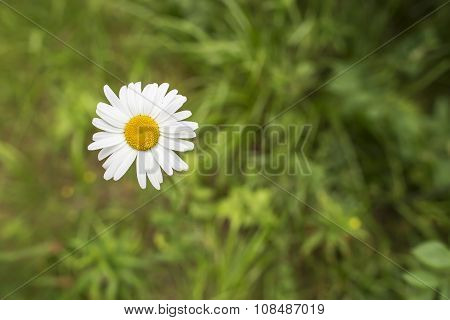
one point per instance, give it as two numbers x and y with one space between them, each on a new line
378 151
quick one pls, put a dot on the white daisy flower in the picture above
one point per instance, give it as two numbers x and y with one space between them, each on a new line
142 125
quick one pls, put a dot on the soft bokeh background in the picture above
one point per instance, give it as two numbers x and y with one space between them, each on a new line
378 150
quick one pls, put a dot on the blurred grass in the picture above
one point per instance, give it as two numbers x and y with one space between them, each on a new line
378 151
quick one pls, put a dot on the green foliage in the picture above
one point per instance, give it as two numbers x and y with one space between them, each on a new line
378 151
107 267
433 270
433 254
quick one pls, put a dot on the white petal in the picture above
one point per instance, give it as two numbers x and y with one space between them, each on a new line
180 129
113 116
154 180
149 94
153 167
176 162
180 135
109 142
176 127
171 108
160 94
159 175
178 117
112 98
160 156
162 89
175 144
168 98
123 95
131 99
149 163
124 147
102 125
176 104
124 101
114 162
110 160
126 164
117 113
106 152
140 170
103 135
182 115
138 97
153 170
190 124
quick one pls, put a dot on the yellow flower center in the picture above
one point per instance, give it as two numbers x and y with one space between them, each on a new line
142 132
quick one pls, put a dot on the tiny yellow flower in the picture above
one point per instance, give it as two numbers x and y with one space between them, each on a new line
354 223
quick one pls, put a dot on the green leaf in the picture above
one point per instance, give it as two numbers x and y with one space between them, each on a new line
433 254
421 279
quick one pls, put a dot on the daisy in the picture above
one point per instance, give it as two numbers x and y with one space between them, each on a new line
142 126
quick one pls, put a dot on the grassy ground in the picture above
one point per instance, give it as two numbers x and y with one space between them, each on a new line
378 150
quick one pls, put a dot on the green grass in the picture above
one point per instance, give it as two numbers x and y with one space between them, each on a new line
378 150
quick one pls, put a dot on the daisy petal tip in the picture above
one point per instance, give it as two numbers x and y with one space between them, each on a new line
118 175
142 182
92 146
182 100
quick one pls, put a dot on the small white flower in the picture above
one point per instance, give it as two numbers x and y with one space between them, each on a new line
142 125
